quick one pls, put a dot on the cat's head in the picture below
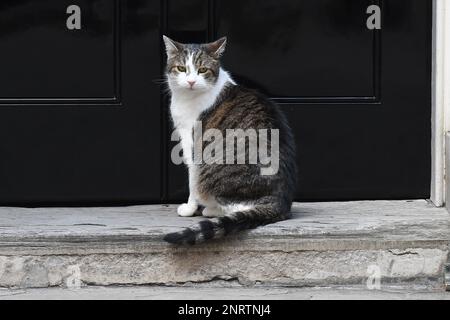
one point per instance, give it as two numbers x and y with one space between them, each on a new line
193 67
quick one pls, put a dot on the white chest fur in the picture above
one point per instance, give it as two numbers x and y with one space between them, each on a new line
187 106
184 115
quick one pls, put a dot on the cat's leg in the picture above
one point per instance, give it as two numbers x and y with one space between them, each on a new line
212 208
190 208
213 212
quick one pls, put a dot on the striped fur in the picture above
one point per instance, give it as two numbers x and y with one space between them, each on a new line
245 198
230 224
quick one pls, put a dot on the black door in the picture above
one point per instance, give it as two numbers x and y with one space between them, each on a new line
79 112
359 100
83 119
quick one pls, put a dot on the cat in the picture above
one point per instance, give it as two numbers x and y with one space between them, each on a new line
235 196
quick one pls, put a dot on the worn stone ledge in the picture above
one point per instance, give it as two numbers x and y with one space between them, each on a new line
305 268
132 246
324 244
206 292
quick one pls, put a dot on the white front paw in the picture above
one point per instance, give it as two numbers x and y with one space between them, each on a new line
187 210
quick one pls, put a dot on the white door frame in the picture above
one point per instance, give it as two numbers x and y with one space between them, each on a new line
440 98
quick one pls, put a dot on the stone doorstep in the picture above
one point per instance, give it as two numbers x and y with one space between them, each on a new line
325 244
198 293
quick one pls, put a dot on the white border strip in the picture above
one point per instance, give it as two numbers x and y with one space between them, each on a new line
440 97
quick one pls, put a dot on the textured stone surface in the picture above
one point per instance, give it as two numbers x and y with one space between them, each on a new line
297 268
199 293
324 244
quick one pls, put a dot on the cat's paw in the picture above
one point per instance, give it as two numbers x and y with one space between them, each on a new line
210 212
187 210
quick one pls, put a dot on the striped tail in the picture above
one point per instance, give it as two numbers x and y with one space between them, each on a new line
231 223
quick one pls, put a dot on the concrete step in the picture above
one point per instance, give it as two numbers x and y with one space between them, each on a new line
380 243
197 293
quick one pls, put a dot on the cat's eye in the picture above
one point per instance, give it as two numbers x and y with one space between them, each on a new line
181 69
202 70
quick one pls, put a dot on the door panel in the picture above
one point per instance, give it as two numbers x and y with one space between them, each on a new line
79 58
83 149
300 48
188 19
358 100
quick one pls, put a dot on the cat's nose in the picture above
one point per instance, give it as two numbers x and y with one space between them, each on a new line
191 83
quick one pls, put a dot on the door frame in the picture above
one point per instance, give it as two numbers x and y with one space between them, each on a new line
440 99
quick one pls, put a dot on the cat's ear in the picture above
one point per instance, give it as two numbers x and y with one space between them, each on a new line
217 48
172 47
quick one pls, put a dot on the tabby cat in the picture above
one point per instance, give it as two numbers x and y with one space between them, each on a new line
235 196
